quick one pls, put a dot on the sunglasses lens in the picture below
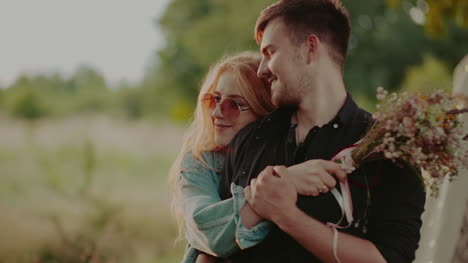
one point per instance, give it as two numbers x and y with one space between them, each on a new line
208 102
230 108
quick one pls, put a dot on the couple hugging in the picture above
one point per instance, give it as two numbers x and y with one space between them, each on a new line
255 180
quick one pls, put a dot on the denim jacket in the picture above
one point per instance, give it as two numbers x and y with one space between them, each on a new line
213 225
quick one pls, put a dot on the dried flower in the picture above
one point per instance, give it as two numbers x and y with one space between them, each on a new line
421 130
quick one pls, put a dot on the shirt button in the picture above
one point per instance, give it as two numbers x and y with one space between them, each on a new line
335 125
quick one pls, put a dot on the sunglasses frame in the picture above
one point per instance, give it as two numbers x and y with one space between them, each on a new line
226 109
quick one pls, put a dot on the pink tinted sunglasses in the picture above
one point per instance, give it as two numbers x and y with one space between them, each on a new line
230 108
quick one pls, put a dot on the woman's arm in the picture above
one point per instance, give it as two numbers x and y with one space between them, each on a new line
212 224
205 258
249 217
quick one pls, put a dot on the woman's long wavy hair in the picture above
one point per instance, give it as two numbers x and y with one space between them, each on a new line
200 135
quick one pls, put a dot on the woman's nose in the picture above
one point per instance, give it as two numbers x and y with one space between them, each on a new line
217 113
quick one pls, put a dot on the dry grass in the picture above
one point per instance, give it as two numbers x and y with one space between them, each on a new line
86 190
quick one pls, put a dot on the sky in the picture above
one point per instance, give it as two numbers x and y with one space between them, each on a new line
116 37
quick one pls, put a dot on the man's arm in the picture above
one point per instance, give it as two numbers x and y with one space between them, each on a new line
274 197
398 201
318 239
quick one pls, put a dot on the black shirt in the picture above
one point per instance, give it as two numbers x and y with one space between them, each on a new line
388 200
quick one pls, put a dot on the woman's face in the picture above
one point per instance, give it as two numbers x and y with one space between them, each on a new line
228 123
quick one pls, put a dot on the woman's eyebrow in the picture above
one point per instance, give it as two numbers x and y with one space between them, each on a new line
234 96
231 96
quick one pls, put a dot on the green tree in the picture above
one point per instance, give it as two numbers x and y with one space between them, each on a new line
85 91
197 34
22 100
27 106
431 75
130 100
384 44
90 90
439 13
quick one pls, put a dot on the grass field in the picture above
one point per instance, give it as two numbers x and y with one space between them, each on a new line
87 190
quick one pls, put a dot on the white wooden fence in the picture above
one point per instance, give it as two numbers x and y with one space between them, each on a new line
443 218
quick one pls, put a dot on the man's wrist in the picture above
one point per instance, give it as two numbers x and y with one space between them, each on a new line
286 218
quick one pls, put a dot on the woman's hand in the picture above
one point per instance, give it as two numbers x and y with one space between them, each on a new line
314 177
205 258
248 216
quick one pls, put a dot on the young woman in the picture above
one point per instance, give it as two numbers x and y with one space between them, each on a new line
231 97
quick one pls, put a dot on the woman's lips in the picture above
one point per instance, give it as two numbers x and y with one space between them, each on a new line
222 127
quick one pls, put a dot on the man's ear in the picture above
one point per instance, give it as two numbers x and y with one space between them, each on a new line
312 47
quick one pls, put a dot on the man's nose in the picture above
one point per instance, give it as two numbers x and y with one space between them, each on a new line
263 70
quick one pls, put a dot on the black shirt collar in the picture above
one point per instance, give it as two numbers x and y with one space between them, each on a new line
346 114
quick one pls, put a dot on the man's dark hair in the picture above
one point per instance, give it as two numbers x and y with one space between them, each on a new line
328 19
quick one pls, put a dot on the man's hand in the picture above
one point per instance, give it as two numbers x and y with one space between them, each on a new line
314 177
270 194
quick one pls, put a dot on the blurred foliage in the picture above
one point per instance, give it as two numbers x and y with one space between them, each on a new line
89 165
389 38
197 34
89 87
26 105
431 75
76 190
1 95
87 244
53 95
387 41
130 100
439 13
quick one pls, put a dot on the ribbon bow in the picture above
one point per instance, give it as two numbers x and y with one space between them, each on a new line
344 158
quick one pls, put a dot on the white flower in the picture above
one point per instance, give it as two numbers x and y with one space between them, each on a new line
388 155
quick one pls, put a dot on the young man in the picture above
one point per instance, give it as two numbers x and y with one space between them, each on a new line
304 46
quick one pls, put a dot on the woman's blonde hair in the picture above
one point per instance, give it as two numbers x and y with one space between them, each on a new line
200 135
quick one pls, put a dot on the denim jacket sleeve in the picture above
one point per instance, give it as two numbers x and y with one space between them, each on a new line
213 225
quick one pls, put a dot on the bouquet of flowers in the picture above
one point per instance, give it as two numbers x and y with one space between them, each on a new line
423 131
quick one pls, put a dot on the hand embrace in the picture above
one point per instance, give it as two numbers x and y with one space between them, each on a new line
271 195
314 177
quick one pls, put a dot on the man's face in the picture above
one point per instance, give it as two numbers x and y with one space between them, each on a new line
282 64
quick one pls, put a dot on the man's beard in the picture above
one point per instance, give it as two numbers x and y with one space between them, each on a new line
282 96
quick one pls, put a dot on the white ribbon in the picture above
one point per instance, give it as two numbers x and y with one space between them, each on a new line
344 200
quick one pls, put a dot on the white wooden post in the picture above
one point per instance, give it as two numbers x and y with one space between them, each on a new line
443 217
